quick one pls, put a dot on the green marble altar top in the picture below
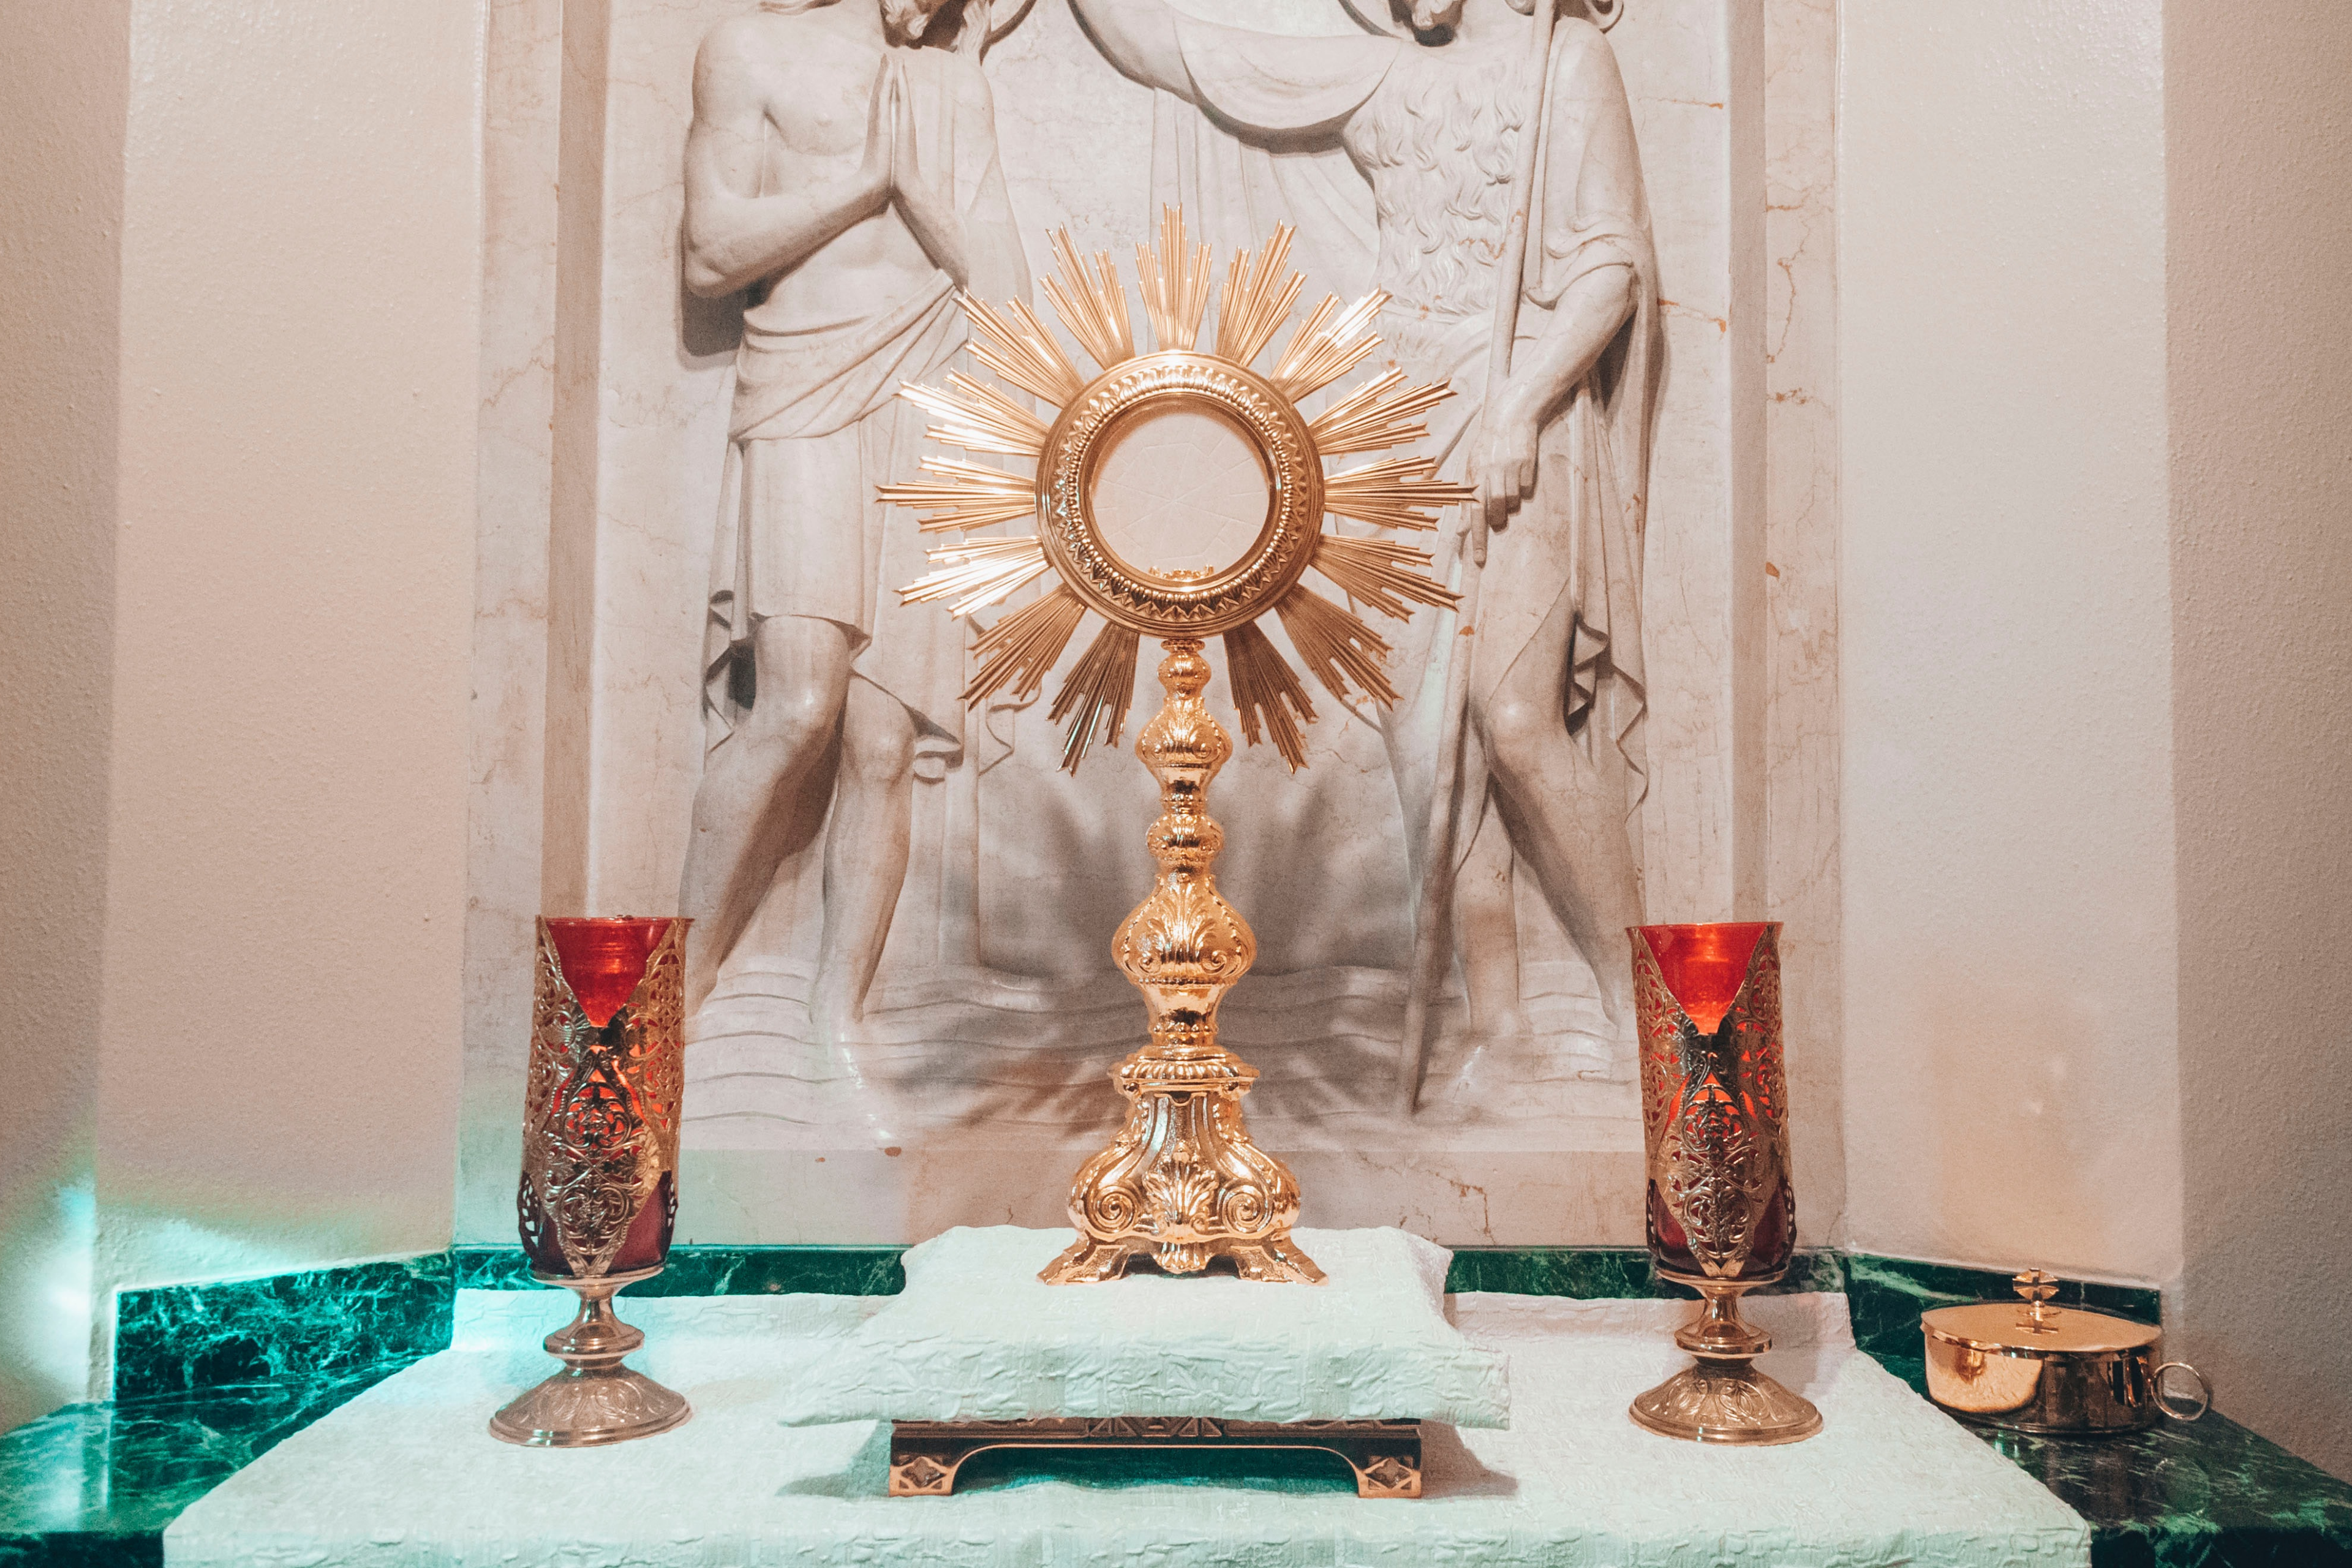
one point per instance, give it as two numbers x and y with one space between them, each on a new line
209 1377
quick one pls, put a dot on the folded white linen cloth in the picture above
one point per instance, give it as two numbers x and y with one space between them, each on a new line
977 1336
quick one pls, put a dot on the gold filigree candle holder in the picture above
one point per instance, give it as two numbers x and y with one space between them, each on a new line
1182 1184
1721 1211
598 1199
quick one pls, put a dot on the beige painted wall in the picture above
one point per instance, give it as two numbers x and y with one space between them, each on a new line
241 347
63 75
2010 1006
2259 141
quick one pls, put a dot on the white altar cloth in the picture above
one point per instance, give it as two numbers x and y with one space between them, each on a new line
407 1476
977 1336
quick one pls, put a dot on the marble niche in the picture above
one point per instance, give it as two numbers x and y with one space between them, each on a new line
970 1077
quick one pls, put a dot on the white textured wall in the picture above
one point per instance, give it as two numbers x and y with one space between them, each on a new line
285 893
2011 1091
63 75
2259 141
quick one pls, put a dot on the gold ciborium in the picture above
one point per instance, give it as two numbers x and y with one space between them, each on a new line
1182 1184
1722 1213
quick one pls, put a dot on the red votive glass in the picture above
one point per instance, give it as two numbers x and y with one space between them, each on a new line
599 1189
1714 1099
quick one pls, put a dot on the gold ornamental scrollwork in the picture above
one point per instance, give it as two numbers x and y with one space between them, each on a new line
1183 1182
599 1145
1049 485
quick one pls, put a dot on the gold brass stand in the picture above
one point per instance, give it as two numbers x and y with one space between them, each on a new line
594 1400
1724 1399
1183 1182
1384 1455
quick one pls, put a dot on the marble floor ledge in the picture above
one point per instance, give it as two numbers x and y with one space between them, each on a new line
97 1483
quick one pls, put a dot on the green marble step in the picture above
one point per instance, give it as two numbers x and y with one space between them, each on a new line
95 1484
1584 1272
209 1377
2206 1494
322 1323
716 1271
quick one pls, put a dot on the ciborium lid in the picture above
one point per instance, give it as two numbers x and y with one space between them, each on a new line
2032 1326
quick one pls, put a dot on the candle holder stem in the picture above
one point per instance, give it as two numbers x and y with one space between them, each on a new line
594 1400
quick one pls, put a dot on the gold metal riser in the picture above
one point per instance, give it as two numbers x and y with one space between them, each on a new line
1385 1456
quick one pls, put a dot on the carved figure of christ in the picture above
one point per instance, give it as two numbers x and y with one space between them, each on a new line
846 177
1433 122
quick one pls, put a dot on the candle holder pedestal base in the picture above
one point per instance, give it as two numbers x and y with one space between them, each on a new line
1724 1399
594 1400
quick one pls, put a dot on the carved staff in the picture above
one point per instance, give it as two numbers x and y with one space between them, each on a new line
1433 921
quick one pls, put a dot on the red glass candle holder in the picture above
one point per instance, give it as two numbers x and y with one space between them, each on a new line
598 1199
1721 1211
599 1191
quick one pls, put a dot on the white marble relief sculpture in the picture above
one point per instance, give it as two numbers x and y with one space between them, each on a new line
843 167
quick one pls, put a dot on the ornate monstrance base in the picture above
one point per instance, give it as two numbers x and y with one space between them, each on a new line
1384 1455
1182 1184
594 1400
1724 1399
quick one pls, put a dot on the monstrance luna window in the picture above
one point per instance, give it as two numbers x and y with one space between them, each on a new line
1179 493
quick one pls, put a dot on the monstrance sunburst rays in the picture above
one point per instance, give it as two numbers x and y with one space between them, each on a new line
1175 280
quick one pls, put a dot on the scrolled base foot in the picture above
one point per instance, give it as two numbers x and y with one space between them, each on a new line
1272 1260
1277 1259
1091 1262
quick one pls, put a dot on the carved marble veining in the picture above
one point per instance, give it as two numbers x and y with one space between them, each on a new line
1802 713
522 58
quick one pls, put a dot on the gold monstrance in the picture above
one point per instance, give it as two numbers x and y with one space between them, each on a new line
1183 1182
